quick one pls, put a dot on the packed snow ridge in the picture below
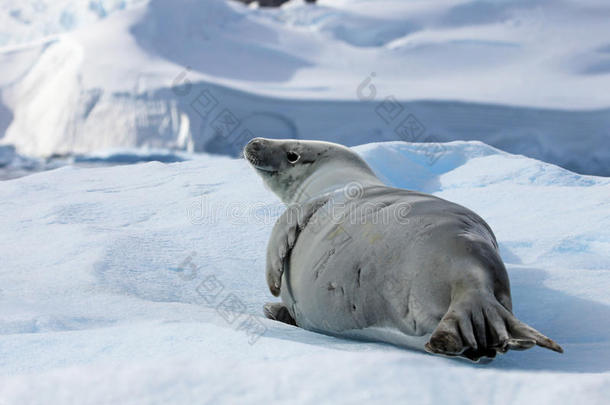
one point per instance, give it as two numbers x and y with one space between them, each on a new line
526 77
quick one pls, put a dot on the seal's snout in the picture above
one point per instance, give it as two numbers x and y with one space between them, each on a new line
253 147
257 152
255 143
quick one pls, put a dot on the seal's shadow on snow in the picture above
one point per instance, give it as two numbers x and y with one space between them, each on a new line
580 326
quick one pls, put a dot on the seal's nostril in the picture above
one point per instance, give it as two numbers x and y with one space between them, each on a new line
254 144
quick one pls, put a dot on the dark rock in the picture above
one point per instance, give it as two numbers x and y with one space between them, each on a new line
270 3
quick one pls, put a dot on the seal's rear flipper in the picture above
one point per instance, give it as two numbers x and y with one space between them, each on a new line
478 326
278 312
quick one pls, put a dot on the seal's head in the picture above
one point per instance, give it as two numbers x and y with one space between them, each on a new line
296 170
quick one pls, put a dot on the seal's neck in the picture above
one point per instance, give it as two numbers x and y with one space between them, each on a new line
334 177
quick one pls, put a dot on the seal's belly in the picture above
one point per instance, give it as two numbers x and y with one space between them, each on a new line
345 278
349 276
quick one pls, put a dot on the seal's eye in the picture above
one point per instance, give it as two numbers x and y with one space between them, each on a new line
292 157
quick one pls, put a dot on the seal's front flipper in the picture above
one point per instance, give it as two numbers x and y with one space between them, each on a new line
477 326
283 238
278 312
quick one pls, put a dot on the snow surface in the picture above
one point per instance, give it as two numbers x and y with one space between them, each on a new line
107 276
26 21
529 77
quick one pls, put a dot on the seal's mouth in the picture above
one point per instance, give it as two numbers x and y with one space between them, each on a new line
257 163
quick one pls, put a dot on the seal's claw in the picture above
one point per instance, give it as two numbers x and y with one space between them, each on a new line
520 344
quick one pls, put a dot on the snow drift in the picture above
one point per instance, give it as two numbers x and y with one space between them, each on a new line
526 77
116 283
